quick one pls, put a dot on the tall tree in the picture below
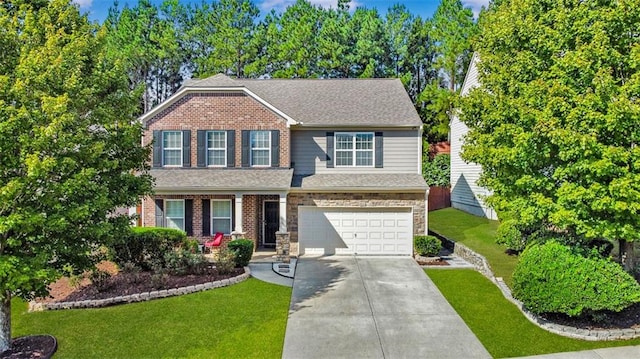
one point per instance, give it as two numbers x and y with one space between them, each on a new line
397 27
555 124
453 28
370 41
231 42
70 147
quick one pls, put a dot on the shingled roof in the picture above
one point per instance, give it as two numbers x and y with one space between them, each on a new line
326 102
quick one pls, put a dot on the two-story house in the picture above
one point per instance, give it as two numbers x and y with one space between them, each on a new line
330 166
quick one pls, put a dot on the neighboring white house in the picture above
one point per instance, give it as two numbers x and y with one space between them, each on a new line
466 195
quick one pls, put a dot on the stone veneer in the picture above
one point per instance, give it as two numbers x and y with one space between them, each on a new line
357 200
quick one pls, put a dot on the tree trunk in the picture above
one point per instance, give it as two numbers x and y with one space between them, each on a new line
5 321
627 256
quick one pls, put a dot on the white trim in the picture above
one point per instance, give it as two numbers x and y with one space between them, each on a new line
354 150
251 148
164 212
223 149
213 200
188 90
181 148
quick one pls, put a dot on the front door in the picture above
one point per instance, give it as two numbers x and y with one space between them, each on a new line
271 222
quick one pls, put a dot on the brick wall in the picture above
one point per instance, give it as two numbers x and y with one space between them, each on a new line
220 111
358 200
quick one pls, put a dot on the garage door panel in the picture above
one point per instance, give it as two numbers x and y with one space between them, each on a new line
373 231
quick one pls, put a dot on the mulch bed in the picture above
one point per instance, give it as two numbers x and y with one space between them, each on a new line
34 346
132 283
628 318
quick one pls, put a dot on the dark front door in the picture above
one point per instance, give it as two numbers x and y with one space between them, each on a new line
271 222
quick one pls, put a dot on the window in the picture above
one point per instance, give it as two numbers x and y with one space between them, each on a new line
260 148
174 213
354 149
217 148
172 148
221 216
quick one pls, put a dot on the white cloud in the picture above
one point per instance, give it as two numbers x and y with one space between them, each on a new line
84 4
280 5
475 5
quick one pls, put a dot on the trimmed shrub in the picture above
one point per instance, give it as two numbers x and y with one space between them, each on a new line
552 278
146 246
427 246
510 235
243 250
226 261
184 261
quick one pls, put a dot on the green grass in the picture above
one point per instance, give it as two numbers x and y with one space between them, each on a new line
476 233
246 320
498 323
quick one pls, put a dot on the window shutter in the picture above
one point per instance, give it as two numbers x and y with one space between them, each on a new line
379 150
157 148
206 217
275 148
186 148
188 216
330 150
246 139
231 148
202 148
159 213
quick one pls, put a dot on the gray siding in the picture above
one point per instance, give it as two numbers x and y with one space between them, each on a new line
402 152
465 192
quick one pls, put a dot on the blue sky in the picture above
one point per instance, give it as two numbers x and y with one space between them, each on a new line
97 9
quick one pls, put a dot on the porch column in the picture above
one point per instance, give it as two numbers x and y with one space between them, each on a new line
238 211
283 212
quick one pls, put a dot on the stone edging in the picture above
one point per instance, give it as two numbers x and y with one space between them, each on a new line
140 297
480 263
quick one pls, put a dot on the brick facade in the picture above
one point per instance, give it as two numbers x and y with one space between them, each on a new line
220 111
358 200
252 214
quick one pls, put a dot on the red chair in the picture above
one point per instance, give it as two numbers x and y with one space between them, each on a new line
216 241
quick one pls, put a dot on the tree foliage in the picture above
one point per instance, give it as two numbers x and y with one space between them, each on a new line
555 124
70 147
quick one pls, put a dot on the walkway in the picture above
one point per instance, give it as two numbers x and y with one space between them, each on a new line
364 307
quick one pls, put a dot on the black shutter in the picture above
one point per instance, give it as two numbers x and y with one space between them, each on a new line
246 139
202 148
186 148
231 148
159 213
379 150
188 216
330 150
275 148
157 148
206 217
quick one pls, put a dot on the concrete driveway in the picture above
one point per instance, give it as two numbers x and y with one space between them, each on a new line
364 307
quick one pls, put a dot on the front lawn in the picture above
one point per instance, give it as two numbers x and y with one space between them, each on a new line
246 320
476 233
498 323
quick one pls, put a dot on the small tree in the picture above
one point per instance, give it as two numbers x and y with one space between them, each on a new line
70 148
437 171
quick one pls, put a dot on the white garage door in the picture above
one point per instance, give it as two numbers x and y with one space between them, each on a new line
367 231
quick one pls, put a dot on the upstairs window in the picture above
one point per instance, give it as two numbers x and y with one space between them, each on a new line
172 148
216 148
260 148
354 149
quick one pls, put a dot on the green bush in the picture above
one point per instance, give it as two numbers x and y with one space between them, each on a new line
146 246
184 261
427 246
226 261
243 250
552 278
510 235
